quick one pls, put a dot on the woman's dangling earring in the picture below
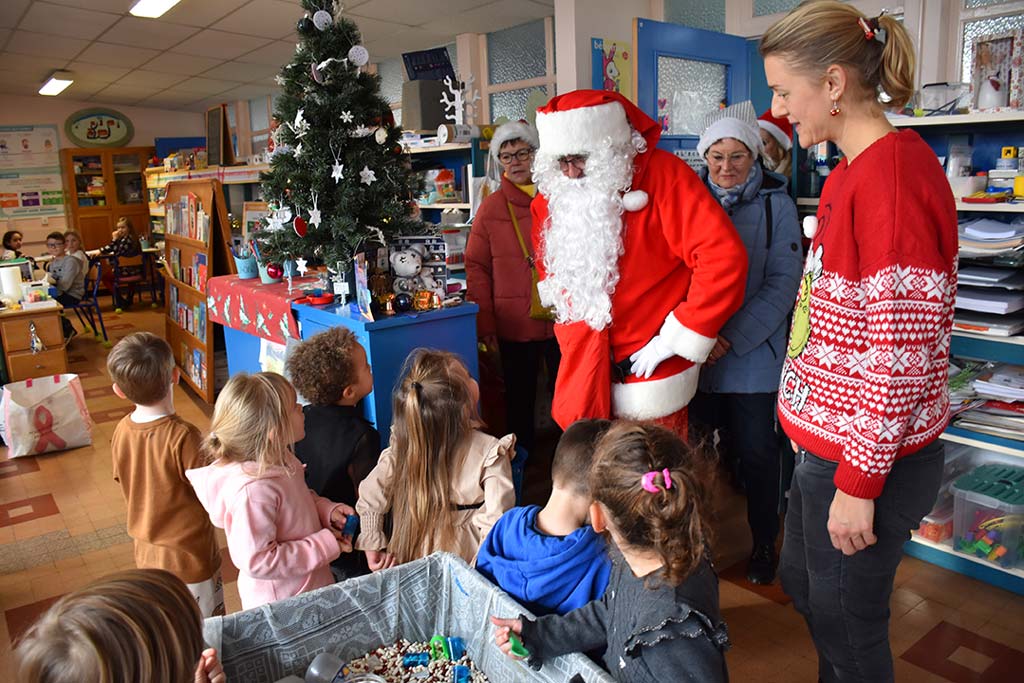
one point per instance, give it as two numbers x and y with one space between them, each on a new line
834 111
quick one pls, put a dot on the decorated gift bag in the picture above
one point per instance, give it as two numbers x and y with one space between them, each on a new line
44 414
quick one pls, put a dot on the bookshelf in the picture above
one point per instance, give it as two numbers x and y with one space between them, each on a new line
196 238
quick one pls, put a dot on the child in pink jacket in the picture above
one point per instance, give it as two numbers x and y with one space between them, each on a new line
281 536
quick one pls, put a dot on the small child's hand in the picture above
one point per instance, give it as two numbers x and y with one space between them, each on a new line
344 542
501 635
378 560
340 514
209 669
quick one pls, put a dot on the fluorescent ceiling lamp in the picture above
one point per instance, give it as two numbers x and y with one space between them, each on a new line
152 9
57 83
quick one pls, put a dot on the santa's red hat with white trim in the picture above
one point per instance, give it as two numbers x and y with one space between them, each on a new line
780 129
584 121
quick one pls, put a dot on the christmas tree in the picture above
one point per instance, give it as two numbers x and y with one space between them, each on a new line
338 176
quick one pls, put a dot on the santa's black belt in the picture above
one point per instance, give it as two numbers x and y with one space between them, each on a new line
474 506
621 370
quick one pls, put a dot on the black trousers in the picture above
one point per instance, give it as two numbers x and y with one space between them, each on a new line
66 300
520 361
749 441
845 600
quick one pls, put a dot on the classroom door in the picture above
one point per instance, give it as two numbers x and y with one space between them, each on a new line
683 73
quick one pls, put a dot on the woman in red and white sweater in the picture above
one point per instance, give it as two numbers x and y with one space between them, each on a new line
863 391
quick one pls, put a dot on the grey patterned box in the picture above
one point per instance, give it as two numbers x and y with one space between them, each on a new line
439 594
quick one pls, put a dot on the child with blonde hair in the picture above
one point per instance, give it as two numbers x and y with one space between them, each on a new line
444 481
281 535
659 619
135 625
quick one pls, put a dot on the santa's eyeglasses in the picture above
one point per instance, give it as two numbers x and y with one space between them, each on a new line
522 155
576 160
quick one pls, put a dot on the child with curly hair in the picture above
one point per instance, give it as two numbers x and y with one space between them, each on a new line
331 371
659 619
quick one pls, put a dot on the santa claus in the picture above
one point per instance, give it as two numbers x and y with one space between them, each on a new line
640 264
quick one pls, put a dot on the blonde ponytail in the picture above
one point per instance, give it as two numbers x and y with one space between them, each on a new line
821 33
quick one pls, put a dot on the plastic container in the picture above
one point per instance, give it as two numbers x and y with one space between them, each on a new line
439 594
247 268
989 514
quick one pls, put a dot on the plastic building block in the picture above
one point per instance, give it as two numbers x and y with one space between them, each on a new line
414 659
439 648
518 649
456 648
460 674
351 526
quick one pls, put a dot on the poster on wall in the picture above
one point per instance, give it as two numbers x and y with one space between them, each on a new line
30 180
99 127
612 66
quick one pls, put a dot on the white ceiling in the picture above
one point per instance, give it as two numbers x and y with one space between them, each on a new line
203 52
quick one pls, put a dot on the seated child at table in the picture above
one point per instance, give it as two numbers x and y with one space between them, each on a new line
74 247
66 274
341 447
550 559
281 536
659 620
123 243
444 482
134 625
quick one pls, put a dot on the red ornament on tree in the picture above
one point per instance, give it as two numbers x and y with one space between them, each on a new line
274 271
299 224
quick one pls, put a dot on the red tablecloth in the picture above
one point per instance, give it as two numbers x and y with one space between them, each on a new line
253 307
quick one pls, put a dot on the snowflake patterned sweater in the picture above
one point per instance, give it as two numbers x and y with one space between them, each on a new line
865 378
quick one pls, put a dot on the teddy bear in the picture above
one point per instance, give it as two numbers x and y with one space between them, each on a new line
405 266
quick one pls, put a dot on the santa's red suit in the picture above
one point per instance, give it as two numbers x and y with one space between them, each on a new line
681 273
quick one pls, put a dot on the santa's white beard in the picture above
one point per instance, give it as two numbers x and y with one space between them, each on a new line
582 239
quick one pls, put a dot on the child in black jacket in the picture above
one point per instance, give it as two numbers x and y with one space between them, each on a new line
341 447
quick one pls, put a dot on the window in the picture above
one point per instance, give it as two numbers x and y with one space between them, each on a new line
520 72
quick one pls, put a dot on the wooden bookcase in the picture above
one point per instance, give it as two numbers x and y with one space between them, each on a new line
103 185
188 248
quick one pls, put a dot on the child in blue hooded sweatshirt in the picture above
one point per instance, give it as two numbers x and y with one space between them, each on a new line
550 559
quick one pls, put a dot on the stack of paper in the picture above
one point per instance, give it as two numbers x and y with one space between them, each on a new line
985 276
1004 382
988 237
995 417
988 324
989 299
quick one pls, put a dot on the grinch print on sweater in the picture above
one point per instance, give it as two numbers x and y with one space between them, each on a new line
800 331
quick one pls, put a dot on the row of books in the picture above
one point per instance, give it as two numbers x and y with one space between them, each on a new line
193 362
186 218
189 318
194 275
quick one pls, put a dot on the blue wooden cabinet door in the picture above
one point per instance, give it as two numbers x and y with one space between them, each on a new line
683 73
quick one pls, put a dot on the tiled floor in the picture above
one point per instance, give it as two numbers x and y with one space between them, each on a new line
62 525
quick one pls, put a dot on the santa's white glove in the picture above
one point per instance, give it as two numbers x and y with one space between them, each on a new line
646 360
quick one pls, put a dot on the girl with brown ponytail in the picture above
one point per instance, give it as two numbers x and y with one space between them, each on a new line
444 482
659 618
863 394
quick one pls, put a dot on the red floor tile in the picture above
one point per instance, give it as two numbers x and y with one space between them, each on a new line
27 509
20 618
953 653
18 466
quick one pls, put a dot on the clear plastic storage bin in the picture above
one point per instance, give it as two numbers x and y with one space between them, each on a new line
989 514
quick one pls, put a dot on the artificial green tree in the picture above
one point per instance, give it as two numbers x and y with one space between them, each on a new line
338 176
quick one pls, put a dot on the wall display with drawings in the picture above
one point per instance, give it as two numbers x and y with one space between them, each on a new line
30 178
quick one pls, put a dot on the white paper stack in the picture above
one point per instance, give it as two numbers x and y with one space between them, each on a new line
989 237
986 276
989 299
1004 383
988 323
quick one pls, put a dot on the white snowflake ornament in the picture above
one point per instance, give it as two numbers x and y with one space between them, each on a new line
300 266
346 117
336 172
301 126
314 214
366 176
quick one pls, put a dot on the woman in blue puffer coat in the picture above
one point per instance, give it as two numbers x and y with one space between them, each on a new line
738 384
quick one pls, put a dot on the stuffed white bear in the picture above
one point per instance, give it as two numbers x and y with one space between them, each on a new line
406 266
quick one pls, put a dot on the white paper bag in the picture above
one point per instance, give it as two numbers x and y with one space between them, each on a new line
44 414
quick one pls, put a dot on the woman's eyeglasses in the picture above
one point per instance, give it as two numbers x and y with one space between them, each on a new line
522 155
733 159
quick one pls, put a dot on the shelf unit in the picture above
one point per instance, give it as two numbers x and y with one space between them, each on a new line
989 132
157 179
455 156
105 184
195 351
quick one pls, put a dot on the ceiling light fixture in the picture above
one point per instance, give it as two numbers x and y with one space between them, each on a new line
151 9
58 81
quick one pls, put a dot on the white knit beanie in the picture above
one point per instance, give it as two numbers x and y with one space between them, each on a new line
731 128
513 130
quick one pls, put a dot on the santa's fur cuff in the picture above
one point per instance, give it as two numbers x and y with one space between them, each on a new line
685 342
583 130
654 398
